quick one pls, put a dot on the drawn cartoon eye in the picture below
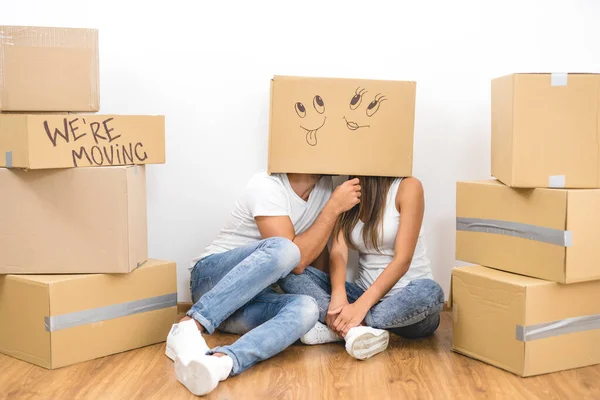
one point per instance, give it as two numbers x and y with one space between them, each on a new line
374 105
318 104
300 109
357 99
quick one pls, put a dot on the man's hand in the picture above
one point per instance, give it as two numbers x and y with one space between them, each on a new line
350 316
346 196
335 307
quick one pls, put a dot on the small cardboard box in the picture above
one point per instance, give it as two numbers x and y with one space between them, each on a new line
549 234
341 126
35 141
48 69
57 320
524 325
546 130
78 220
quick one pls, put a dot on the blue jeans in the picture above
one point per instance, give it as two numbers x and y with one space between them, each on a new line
231 291
413 312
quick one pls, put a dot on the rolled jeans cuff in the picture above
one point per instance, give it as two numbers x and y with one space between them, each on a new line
236 365
203 321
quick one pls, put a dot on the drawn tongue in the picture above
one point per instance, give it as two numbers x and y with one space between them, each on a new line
311 137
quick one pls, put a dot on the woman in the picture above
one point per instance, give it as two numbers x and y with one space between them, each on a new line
394 291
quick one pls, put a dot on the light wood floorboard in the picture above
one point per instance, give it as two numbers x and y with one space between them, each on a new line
410 369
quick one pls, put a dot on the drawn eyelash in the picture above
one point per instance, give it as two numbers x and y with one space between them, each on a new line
360 91
380 99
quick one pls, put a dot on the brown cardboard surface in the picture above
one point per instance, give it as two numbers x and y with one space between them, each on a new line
540 130
44 141
48 69
27 299
78 220
23 306
341 126
577 211
489 304
502 127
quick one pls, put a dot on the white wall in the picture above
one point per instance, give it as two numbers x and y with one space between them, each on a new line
207 65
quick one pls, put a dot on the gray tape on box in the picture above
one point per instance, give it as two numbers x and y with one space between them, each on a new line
9 159
556 328
70 320
557 181
516 229
559 79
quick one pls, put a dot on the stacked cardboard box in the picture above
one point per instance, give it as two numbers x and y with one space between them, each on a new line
539 224
60 214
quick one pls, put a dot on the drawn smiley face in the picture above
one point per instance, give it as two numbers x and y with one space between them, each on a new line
314 122
370 110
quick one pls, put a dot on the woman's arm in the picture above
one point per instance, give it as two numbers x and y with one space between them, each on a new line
410 201
322 262
338 260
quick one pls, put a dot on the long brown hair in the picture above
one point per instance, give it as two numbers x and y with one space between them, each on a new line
374 190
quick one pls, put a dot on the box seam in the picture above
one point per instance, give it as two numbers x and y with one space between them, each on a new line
597 135
512 130
271 93
51 360
566 248
27 147
524 368
127 207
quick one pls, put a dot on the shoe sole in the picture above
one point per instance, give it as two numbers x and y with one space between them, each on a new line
311 342
170 353
368 345
195 376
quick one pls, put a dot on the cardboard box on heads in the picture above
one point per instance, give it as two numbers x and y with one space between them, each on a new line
341 126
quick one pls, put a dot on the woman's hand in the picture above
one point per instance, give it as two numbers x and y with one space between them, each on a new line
350 316
337 303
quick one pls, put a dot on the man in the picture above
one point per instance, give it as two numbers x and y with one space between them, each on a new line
281 224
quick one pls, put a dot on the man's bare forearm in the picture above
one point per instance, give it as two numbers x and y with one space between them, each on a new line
312 242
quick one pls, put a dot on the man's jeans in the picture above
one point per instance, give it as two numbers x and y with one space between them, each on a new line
231 291
412 312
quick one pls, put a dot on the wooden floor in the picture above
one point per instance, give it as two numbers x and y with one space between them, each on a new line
417 369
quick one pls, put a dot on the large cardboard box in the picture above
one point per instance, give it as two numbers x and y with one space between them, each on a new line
58 320
36 141
550 234
78 220
341 126
48 69
524 325
545 130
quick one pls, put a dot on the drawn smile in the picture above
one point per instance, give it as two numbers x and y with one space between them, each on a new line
311 134
354 126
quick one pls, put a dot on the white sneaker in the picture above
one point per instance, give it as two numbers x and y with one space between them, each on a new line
364 342
320 334
185 338
201 374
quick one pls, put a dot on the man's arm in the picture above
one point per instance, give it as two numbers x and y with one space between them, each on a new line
312 242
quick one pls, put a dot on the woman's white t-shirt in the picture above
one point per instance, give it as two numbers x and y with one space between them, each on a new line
372 263
268 196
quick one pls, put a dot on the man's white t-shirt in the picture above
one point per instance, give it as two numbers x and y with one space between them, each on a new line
268 196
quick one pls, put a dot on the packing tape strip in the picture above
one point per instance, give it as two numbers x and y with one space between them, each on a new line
70 320
558 79
515 229
557 181
556 328
9 159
